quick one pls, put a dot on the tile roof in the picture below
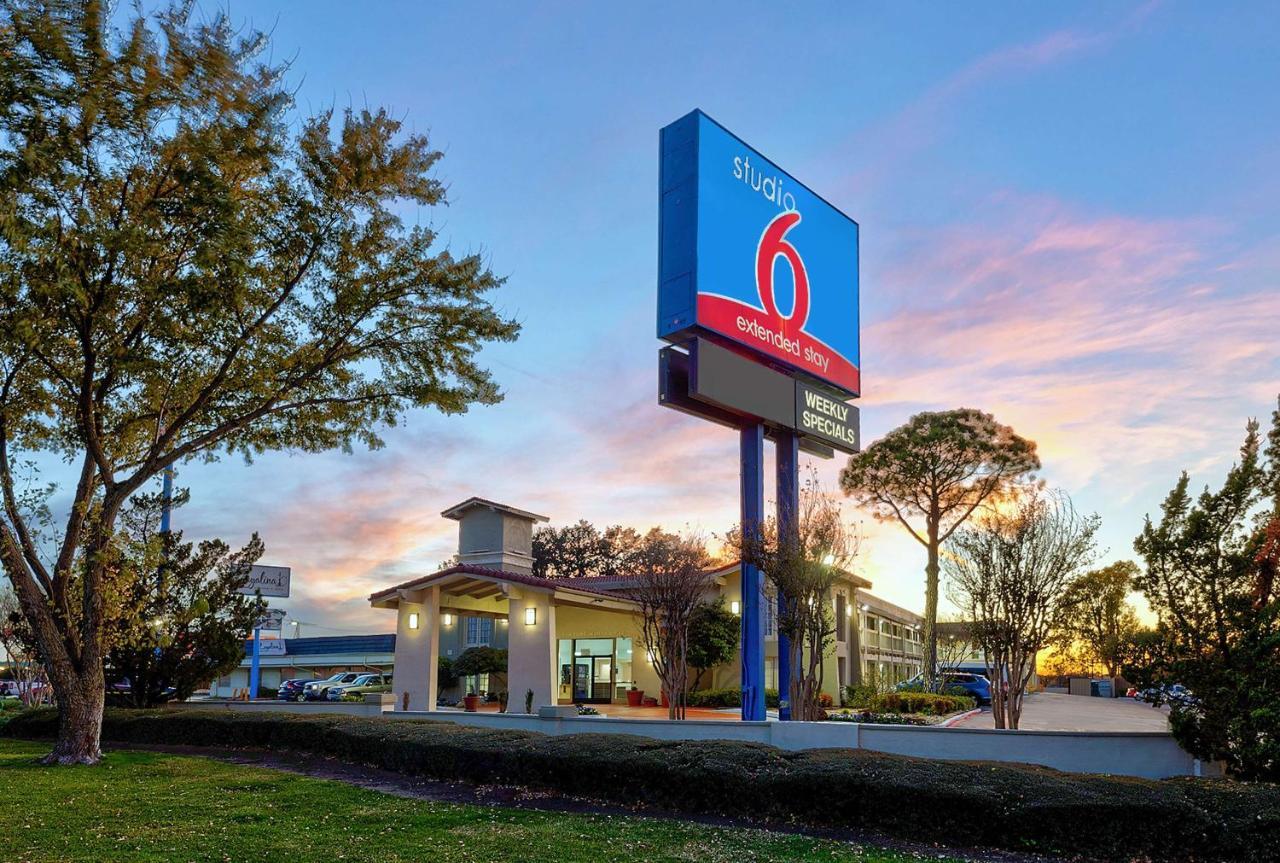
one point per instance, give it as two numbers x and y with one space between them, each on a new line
515 577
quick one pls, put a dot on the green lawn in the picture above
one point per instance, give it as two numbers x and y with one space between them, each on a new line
141 806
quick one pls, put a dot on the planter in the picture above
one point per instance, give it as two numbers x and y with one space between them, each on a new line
471 702
635 697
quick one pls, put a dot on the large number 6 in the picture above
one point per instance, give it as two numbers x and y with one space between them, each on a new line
773 243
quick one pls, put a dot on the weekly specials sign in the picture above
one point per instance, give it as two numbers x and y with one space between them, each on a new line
750 254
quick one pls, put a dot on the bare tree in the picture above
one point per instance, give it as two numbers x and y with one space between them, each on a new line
953 648
670 582
801 571
1009 575
19 647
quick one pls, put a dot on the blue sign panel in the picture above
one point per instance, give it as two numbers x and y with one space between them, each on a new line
750 254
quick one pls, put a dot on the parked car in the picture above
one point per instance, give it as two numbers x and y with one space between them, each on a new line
293 690
1171 694
365 684
976 686
318 690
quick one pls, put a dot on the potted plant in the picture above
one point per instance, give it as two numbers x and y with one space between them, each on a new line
502 701
635 697
474 662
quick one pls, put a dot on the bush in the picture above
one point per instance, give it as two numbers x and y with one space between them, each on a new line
977 804
719 698
928 703
859 695
878 718
480 660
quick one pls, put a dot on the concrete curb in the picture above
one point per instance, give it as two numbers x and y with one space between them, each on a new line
958 718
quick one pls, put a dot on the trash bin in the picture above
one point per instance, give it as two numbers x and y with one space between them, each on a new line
1093 688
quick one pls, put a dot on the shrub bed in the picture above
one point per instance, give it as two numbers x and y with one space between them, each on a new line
868 716
718 698
958 803
929 703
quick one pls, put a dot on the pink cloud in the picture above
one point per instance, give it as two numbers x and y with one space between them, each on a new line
1116 342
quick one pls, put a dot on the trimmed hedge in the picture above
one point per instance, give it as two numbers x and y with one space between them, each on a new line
957 803
928 703
718 698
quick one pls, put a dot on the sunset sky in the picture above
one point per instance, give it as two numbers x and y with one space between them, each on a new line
1069 218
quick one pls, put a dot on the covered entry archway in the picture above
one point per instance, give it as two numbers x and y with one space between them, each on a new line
538 615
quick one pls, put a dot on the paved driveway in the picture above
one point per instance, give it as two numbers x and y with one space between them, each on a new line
1051 711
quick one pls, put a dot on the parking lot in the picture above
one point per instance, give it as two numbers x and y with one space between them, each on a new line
1056 711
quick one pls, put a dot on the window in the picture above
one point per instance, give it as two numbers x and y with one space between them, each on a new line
479 631
842 625
770 616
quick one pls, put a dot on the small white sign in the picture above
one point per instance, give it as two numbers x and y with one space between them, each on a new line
267 580
271 647
271 621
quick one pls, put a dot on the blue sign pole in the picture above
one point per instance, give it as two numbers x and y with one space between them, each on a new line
788 470
166 497
752 444
254 666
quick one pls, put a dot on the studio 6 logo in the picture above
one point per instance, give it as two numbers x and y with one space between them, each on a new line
773 245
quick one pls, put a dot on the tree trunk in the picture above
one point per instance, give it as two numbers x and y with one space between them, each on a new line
931 609
797 692
80 700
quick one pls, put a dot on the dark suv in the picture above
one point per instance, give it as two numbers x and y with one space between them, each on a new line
975 686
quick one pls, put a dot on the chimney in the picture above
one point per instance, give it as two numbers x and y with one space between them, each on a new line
494 535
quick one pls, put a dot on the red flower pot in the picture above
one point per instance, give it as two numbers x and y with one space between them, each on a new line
471 702
635 697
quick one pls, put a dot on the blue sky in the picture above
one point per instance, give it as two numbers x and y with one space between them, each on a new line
1068 218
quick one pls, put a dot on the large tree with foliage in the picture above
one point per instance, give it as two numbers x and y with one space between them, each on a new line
1210 566
581 550
714 635
189 269
1009 574
929 475
1098 619
182 620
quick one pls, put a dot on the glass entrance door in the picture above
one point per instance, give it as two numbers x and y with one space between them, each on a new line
592 679
602 679
582 680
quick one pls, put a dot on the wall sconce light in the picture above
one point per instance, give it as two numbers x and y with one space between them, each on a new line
530 616
735 606
848 611
413 620
828 559
448 620
649 654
